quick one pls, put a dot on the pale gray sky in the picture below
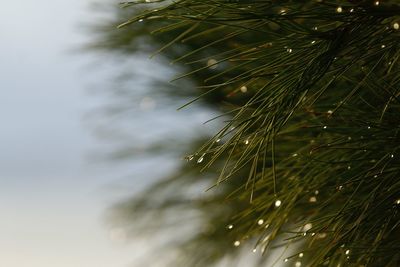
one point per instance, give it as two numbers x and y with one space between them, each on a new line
52 198
49 194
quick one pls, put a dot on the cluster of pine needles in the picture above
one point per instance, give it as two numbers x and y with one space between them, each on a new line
309 156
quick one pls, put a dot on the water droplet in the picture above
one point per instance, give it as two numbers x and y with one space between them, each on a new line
325 127
376 3
243 89
307 227
392 156
315 28
212 64
369 127
398 201
349 167
352 10
200 160
313 199
347 252
260 222
290 50
236 243
254 250
140 20
297 264
321 235
278 203
383 46
286 260
312 42
189 158
266 239
218 140
301 255
339 9
246 142
230 226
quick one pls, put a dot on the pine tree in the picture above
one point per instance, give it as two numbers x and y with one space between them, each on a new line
305 170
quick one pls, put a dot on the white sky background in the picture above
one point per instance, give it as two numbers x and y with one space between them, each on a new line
50 214
51 199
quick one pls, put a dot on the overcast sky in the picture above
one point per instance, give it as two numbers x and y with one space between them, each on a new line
51 211
52 196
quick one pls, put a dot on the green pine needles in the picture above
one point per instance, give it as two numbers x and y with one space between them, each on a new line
306 170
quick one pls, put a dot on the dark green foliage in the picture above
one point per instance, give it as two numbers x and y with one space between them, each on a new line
311 95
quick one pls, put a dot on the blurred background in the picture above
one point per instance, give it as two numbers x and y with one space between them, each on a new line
81 130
